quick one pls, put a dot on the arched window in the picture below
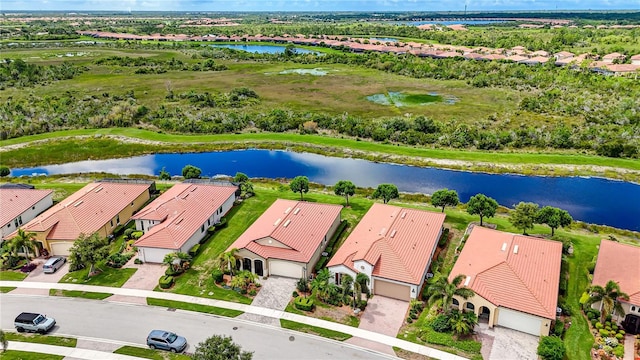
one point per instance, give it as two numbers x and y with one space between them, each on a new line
470 306
455 302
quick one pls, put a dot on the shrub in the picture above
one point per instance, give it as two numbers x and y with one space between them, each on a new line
603 332
441 323
173 272
302 285
591 267
614 327
417 305
409 320
252 292
621 332
128 232
194 250
217 276
551 348
305 304
118 260
413 315
599 325
619 351
558 329
583 300
593 313
28 268
362 305
443 239
613 342
138 261
608 323
4 171
136 235
619 336
593 322
295 294
165 282
222 223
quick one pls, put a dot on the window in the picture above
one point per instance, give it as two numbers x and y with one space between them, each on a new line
455 302
118 219
33 208
20 219
338 278
132 204
202 228
470 307
15 221
209 222
111 222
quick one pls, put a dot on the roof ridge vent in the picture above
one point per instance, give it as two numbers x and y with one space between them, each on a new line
286 223
277 222
504 246
515 249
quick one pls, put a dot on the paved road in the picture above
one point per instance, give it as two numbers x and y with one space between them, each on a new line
131 323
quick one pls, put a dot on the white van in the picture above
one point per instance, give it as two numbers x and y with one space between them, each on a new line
53 264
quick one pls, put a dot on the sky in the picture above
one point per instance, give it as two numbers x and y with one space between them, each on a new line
316 5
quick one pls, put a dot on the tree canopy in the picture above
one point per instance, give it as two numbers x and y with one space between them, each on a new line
553 217
524 216
191 172
482 205
220 347
88 250
440 289
386 192
164 174
444 197
240 178
300 184
4 171
345 188
608 295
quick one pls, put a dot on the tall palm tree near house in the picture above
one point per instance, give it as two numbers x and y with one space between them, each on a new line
462 322
320 284
441 289
608 296
363 280
23 241
228 260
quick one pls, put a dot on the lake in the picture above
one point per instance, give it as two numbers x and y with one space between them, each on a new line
263 49
593 200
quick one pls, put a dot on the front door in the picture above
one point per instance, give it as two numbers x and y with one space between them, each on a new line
258 264
632 324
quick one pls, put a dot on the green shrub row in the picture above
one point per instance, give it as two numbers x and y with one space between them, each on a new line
305 304
166 282
194 250
173 272
221 224
443 238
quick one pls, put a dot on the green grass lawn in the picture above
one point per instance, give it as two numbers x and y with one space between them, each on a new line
11 275
24 355
193 307
42 339
309 329
150 354
6 289
80 294
108 277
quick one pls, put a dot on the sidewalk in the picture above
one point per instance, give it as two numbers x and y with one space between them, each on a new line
75 353
365 334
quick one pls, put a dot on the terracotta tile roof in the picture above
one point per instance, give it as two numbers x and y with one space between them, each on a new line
86 210
635 57
299 226
620 263
14 202
621 68
182 210
397 241
514 271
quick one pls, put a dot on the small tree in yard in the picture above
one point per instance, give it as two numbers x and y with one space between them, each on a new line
553 217
386 192
4 171
23 241
462 322
164 174
444 197
482 205
345 188
220 348
240 178
608 297
191 172
89 250
551 348
440 288
300 184
524 216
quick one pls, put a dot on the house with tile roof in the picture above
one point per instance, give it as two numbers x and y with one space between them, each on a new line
99 207
180 217
515 279
611 58
621 263
287 239
394 246
21 205
635 59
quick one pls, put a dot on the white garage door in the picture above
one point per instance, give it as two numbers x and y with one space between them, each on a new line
61 248
392 290
517 320
285 268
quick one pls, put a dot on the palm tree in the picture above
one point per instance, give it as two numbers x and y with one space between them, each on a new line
320 284
441 289
462 322
228 260
357 294
363 280
608 296
25 241
346 281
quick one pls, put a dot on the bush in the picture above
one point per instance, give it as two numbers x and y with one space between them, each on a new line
172 272
619 351
593 314
604 332
619 336
128 232
558 329
217 276
138 261
599 325
28 268
610 341
295 294
409 320
222 223
441 323
4 171
166 282
118 260
362 305
305 304
194 250
443 238
551 348
562 304
302 285
594 322
252 292
136 235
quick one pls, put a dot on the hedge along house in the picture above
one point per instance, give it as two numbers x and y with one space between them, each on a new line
19 205
394 246
621 263
515 278
99 207
180 217
287 239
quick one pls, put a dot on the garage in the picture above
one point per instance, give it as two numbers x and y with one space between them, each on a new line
520 321
61 248
285 268
392 290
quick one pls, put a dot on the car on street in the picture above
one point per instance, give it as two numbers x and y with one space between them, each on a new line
166 340
33 322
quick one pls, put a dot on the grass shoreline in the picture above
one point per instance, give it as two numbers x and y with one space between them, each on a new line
26 151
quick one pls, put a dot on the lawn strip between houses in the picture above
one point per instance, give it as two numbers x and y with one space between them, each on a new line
26 355
314 330
149 353
79 294
42 339
194 307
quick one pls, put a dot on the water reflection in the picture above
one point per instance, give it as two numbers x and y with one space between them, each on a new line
592 200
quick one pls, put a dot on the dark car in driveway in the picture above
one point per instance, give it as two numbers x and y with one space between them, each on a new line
166 340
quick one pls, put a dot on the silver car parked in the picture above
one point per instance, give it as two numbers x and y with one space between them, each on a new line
166 340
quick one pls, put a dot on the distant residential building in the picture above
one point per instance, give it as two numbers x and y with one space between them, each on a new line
613 57
19 205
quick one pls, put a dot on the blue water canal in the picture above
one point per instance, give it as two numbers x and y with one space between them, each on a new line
594 200
263 49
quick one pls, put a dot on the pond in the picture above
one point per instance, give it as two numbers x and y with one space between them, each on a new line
263 49
399 99
383 40
314 72
594 200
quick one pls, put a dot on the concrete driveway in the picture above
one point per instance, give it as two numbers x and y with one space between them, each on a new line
382 315
145 278
505 344
275 294
37 275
